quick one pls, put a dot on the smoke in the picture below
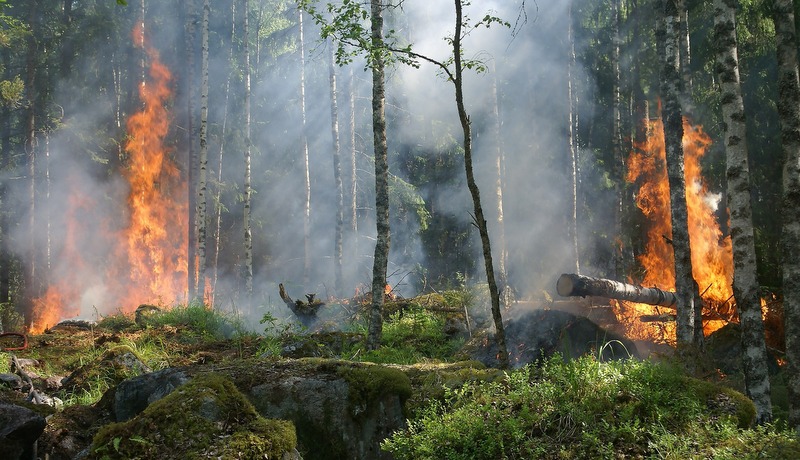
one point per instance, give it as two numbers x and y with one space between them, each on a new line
82 203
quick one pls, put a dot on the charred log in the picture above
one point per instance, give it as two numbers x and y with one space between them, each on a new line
576 285
306 312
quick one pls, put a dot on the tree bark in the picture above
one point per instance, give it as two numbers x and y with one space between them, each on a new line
337 176
499 185
248 234
353 201
305 159
745 284
573 147
789 113
480 221
577 285
31 282
191 253
382 243
203 162
673 140
616 141
223 131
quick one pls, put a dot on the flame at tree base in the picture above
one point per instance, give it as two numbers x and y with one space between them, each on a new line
712 257
147 259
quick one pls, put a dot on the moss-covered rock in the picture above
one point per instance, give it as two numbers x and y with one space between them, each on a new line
205 418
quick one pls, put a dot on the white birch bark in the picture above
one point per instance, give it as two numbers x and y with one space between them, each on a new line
745 284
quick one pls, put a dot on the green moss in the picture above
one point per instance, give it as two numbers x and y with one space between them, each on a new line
370 382
725 401
206 416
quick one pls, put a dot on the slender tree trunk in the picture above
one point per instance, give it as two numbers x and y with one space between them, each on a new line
573 148
480 221
789 112
745 284
191 253
305 159
685 53
353 210
337 176
248 235
499 184
616 143
203 164
223 131
383 240
31 282
673 140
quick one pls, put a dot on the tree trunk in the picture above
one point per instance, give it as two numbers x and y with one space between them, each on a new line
475 192
223 131
203 164
31 283
353 202
572 228
248 235
353 211
381 259
616 143
499 185
577 285
789 112
305 159
745 284
337 176
685 54
673 140
191 253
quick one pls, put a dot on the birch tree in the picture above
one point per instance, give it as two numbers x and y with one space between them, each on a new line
673 140
789 113
248 234
337 175
745 284
203 160
191 256
304 156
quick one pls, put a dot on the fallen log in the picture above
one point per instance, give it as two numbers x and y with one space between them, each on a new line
570 284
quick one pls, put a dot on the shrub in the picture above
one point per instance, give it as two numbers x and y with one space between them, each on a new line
580 409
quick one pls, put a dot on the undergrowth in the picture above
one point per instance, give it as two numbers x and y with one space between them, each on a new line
585 409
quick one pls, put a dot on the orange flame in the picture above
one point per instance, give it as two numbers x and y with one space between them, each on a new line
155 241
712 258
149 263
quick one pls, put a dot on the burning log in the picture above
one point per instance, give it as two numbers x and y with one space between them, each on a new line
576 285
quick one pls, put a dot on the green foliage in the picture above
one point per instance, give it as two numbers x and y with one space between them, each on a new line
586 409
198 319
117 322
413 335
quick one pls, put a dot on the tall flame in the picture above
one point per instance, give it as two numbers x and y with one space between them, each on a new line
155 242
148 264
712 258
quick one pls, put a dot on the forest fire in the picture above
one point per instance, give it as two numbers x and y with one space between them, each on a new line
712 257
148 263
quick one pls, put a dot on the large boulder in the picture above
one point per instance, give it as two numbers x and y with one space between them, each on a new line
340 409
207 417
20 428
535 334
